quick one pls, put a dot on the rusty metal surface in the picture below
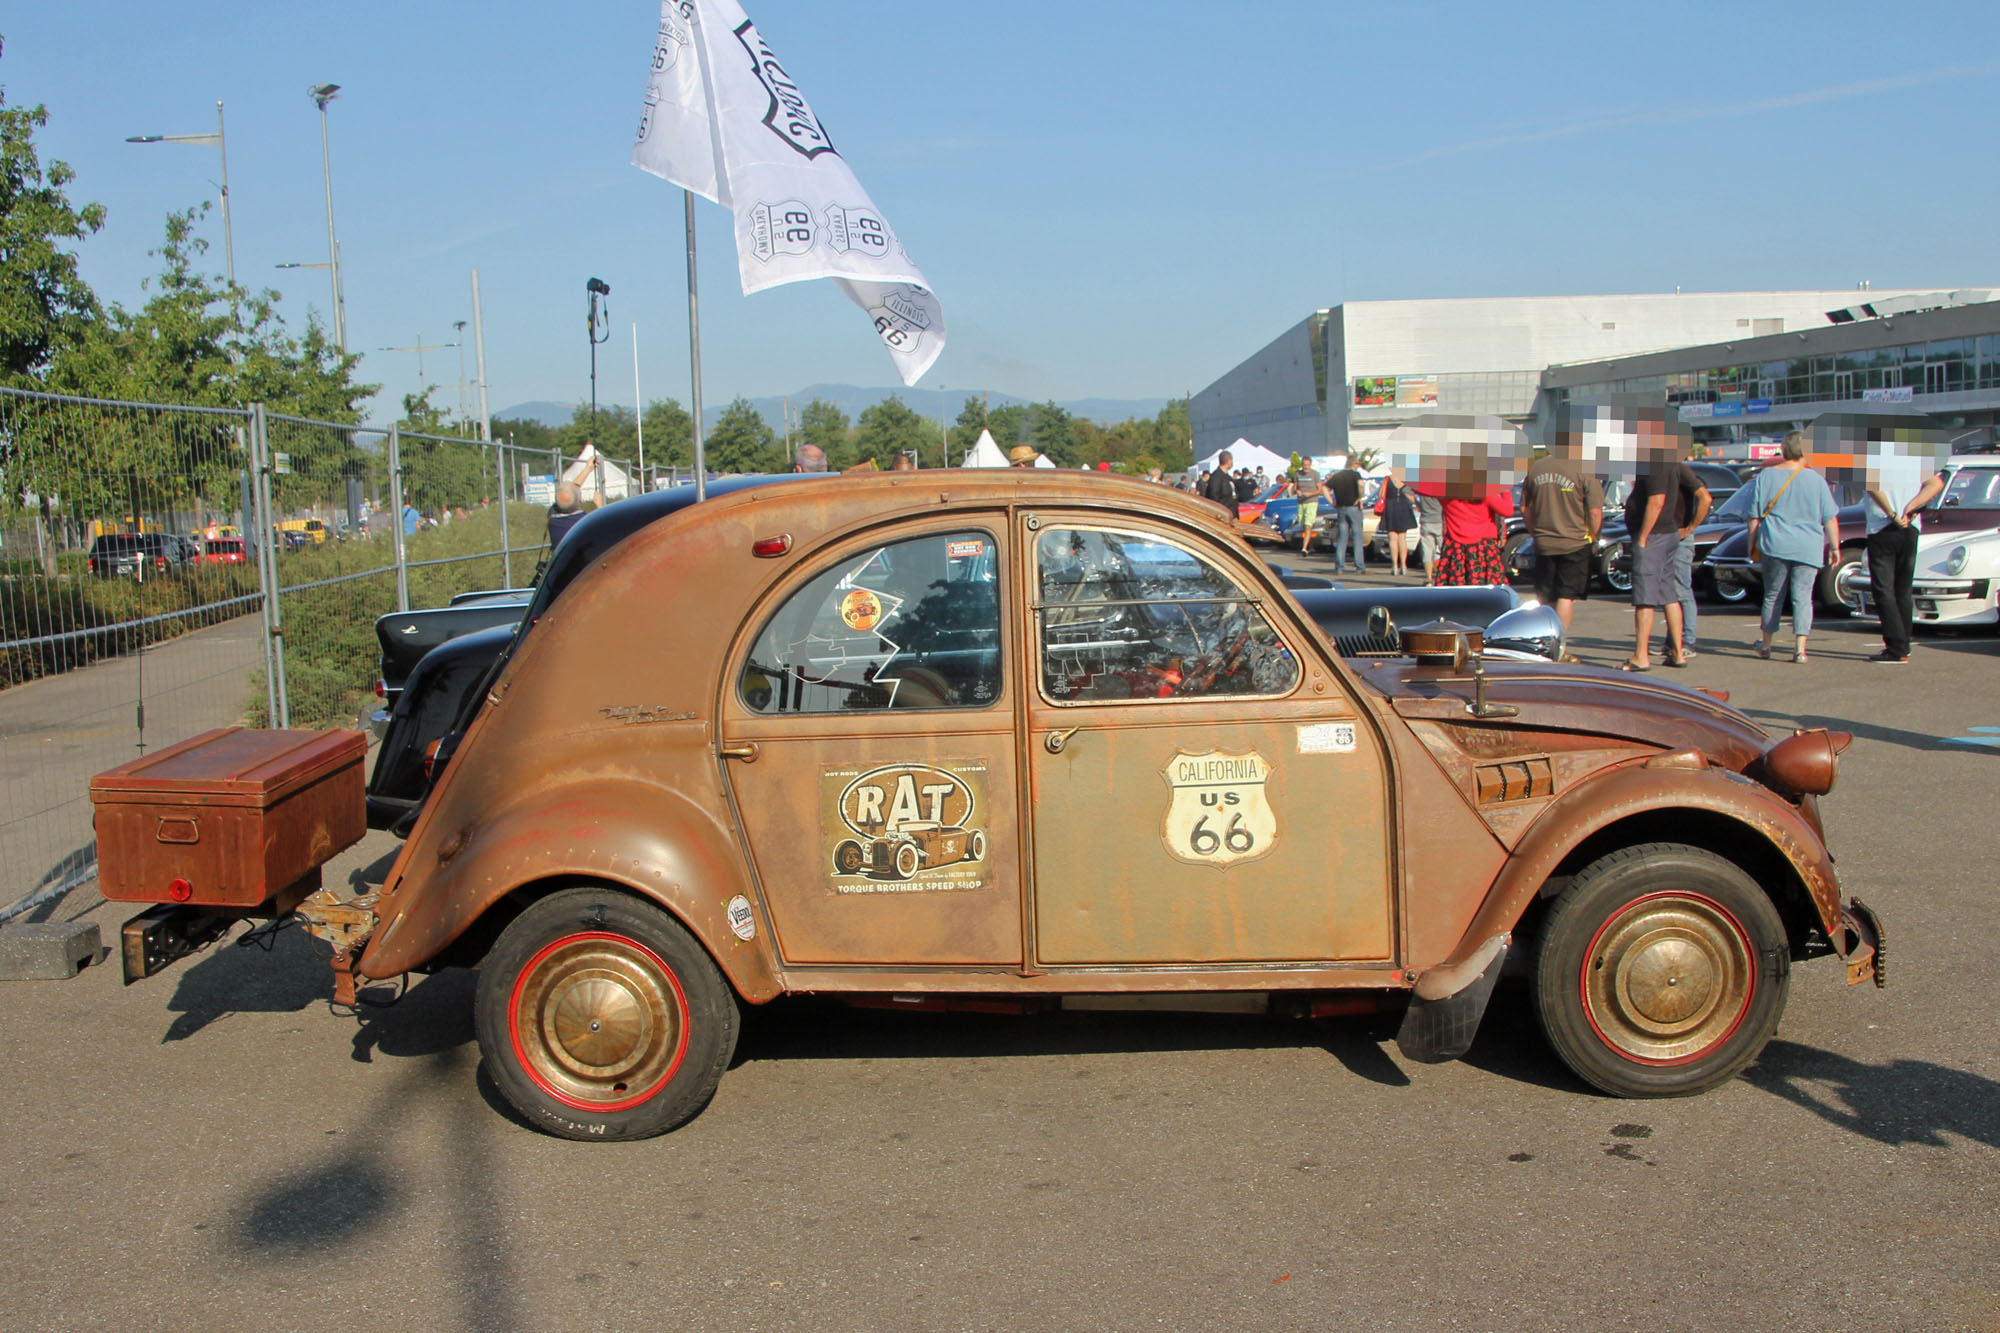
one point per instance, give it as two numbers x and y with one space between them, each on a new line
601 757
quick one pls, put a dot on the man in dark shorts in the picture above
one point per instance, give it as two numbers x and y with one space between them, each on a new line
1565 510
1652 516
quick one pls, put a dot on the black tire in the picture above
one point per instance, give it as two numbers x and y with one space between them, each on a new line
1826 589
1730 591
580 962
1661 971
908 860
1510 554
1616 579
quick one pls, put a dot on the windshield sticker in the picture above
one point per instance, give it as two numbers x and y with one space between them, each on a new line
1326 738
905 828
1218 814
742 922
965 550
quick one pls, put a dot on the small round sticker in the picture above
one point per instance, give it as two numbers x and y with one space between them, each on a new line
741 920
860 610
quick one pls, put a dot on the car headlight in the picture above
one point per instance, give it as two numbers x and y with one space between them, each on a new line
1954 564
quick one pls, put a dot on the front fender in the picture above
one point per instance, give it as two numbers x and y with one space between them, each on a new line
652 840
1632 790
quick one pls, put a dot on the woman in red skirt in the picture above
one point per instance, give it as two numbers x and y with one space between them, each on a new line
1470 554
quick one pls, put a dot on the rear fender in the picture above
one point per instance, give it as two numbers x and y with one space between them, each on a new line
652 841
1624 793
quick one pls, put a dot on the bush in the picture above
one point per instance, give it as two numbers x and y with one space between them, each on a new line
74 602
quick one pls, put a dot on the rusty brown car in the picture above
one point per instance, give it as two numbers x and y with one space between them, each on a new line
1104 753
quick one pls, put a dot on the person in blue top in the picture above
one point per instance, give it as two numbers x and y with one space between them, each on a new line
1793 526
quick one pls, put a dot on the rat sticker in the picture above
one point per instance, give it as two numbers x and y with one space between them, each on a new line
905 828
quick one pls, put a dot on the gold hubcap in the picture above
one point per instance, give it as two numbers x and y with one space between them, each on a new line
599 1021
1668 978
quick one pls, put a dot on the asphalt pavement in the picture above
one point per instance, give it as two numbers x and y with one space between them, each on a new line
213 1147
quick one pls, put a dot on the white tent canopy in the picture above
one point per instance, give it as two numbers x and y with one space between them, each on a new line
985 453
1245 454
597 479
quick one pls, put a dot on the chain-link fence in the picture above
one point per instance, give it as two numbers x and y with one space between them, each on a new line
128 607
137 545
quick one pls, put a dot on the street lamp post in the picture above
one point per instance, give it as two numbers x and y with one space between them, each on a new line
944 435
221 142
321 95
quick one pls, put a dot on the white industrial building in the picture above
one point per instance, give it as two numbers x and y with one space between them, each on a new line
1348 375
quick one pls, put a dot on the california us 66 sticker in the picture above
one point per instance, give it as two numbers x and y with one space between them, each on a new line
1218 815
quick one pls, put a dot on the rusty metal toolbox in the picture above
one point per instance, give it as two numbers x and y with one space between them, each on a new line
230 818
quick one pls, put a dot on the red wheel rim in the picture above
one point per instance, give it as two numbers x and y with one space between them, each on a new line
1668 978
598 1021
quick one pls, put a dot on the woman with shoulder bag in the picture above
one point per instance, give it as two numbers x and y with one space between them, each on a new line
1793 533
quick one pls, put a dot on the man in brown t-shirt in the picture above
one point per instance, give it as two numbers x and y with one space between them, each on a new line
1564 505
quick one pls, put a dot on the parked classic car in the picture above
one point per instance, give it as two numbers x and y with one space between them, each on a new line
1958 554
1183 791
1970 509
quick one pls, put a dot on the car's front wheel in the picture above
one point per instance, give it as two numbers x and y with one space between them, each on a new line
1829 590
1616 578
1662 970
1730 591
600 1017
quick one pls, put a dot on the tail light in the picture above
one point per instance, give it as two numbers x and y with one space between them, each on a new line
381 688
430 759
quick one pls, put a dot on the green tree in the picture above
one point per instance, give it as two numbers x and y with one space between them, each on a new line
823 424
741 441
44 301
965 431
440 473
669 434
892 427
1053 432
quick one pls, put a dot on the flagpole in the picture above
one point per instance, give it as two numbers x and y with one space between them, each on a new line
639 412
694 358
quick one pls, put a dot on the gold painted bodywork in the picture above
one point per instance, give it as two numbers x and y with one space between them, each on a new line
614 749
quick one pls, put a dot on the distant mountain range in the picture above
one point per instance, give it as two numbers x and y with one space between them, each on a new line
854 400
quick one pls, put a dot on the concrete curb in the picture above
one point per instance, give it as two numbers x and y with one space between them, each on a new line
47 950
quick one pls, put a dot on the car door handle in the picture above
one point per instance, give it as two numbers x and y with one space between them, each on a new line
744 750
1056 741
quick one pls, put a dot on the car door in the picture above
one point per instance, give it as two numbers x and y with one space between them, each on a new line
1204 788
869 731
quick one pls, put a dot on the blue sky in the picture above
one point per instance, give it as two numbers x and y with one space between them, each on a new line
1113 199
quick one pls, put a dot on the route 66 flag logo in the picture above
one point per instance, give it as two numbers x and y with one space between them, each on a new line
1218 814
723 119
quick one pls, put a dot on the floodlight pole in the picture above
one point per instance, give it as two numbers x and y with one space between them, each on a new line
321 95
221 141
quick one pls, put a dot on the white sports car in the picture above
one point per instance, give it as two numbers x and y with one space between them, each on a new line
1957 583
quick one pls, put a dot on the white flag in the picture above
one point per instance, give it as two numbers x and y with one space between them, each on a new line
724 120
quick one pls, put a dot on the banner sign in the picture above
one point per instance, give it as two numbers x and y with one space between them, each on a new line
723 119
1395 391
1901 394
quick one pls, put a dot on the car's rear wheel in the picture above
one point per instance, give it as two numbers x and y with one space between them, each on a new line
975 846
600 1017
1661 971
1730 591
1510 554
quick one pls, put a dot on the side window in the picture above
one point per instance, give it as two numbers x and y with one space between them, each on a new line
1128 615
910 624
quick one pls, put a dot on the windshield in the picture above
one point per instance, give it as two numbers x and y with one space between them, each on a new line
1738 505
1973 488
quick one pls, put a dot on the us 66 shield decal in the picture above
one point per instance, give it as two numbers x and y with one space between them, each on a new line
1218 815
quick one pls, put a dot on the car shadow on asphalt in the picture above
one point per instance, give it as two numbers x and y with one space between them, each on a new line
819 1029
1909 740
1901 1102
